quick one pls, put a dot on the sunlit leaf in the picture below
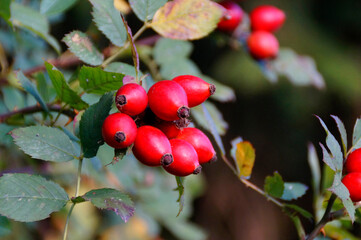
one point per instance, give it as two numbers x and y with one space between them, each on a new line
145 9
187 19
168 50
293 191
113 200
29 198
108 20
45 143
244 155
51 7
181 66
342 130
79 44
274 185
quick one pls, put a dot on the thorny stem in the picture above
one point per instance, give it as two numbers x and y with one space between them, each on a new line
327 216
126 45
251 185
80 164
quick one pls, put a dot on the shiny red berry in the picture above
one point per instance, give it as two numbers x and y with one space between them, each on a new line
262 45
131 99
267 18
168 100
353 161
185 159
151 147
201 144
352 181
119 130
196 88
232 18
172 128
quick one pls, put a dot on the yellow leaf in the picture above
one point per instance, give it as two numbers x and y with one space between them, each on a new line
244 155
122 6
187 19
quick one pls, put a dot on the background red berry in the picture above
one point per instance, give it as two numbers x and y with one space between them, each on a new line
119 130
168 100
353 183
353 161
152 147
200 142
262 45
131 99
185 159
196 88
232 18
267 18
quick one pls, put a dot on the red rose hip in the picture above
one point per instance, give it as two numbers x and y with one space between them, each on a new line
267 18
168 100
201 144
185 159
262 45
353 161
131 99
152 147
119 130
352 181
196 88
232 18
172 128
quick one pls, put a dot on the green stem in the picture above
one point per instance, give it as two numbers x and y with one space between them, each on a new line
126 45
80 164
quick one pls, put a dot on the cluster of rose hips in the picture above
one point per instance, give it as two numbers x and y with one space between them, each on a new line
352 180
265 20
156 123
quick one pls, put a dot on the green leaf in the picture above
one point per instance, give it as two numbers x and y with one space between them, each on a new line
181 66
42 86
219 123
113 200
96 80
342 192
91 122
299 210
168 50
328 159
45 143
244 156
13 98
180 189
5 138
314 164
343 133
63 91
223 93
299 227
27 18
356 136
52 7
119 67
274 185
79 44
293 191
334 147
187 19
5 226
338 232
29 198
31 88
300 70
108 20
145 9
5 10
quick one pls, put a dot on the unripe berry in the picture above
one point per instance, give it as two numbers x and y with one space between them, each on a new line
131 99
262 45
352 181
196 88
267 18
172 128
201 144
119 130
152 147
233 18
353 161
168 100
185 159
